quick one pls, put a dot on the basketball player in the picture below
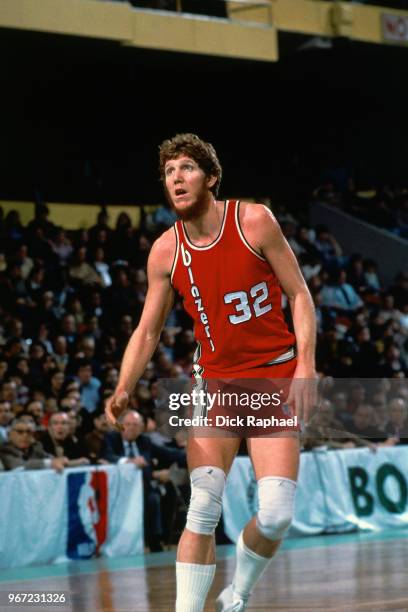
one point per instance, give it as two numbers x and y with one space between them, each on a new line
228 261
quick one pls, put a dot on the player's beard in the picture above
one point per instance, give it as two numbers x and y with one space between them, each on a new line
194 210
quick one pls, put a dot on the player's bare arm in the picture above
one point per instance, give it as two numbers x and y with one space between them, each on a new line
263 233
143 342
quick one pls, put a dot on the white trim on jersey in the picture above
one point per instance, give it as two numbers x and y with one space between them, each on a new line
290 354
240 232
210 246
176 254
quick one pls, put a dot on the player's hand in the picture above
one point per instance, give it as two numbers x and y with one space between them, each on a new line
115 406
303 393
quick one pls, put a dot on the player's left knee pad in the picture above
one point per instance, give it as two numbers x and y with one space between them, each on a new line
276 498
207 487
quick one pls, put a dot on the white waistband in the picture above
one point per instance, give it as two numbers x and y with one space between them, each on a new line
290 354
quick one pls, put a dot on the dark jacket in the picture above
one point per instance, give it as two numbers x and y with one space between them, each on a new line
155 455
32 459
72 449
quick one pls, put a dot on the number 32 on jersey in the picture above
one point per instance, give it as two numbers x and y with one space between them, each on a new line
258 295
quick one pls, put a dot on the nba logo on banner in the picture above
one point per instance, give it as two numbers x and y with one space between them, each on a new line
87 513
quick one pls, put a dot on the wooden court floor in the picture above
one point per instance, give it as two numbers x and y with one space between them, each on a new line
330 573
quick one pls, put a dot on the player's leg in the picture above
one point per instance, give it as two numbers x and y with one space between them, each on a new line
275 462
209 461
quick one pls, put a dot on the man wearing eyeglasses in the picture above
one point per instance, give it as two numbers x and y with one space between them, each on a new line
23 452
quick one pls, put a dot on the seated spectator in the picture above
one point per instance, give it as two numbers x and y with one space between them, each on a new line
131 446
381 413
362 424
102 225
23 452
75 422
55 384
60 353
371 275
58 442
36 409
74 308
86 350
327 431
366 356
400 290
391 363
340 295
41 221
88 385
355 273
6 417
61 246
50 408
13 228
81 272
8 393
69 330
23 260
388 310
95 307
94 439
46 313
397 426
35 285
101 267
327 247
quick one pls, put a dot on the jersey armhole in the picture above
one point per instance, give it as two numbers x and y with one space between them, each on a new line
176 253
241 233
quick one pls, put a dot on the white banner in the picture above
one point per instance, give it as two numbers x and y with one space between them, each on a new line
337 491
48 517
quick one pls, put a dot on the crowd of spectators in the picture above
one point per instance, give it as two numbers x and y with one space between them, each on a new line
362 334
70 301
386 207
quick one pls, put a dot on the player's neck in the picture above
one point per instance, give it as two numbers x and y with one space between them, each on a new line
206 226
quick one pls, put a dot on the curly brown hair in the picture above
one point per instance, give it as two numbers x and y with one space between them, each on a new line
203 153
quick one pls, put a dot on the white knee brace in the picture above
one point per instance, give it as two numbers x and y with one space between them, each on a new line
276 497
207 487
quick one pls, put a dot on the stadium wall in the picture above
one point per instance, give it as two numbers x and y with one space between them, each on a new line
76 216
356 236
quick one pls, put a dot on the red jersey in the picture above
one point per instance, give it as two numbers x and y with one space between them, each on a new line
234 298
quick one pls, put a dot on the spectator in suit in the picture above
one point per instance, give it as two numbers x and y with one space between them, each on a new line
22 451
132 446
340 295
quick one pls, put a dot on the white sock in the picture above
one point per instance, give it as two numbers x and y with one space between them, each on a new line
250 567
193 583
